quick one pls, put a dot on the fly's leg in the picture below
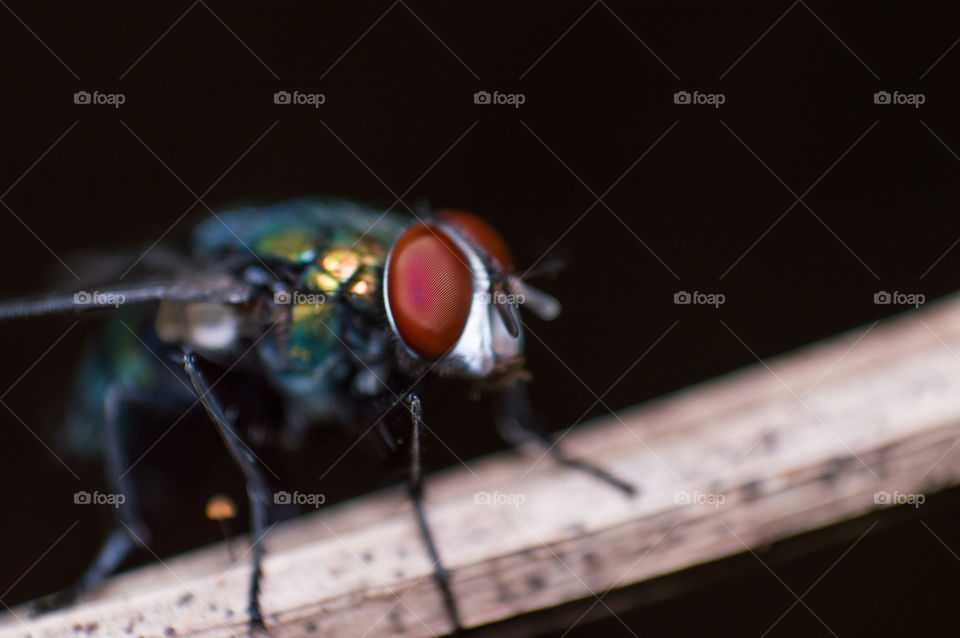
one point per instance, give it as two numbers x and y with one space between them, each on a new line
516 426
118 461
131 531
116 548
257 488
440 574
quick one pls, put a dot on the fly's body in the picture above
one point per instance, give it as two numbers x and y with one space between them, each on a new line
328 350
322 312
323 263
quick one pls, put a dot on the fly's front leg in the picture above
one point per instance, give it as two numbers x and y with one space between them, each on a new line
516 426
440 574
257 488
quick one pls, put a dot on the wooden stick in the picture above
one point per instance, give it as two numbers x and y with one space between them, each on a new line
868 419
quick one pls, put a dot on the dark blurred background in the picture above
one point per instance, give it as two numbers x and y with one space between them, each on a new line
693 198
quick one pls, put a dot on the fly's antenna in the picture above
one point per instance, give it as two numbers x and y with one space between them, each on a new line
502 305
540 303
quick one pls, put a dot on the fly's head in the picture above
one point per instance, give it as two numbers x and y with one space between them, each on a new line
452 298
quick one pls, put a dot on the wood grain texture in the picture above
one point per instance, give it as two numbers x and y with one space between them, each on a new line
779 448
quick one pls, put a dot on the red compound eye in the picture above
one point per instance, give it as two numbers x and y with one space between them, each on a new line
482 234
429 288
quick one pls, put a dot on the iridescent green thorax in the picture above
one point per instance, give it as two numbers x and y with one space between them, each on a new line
296 231
339 274
338 250
296 247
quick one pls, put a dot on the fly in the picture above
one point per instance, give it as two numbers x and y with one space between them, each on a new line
336 310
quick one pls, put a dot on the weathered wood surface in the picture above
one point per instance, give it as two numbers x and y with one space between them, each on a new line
788 445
